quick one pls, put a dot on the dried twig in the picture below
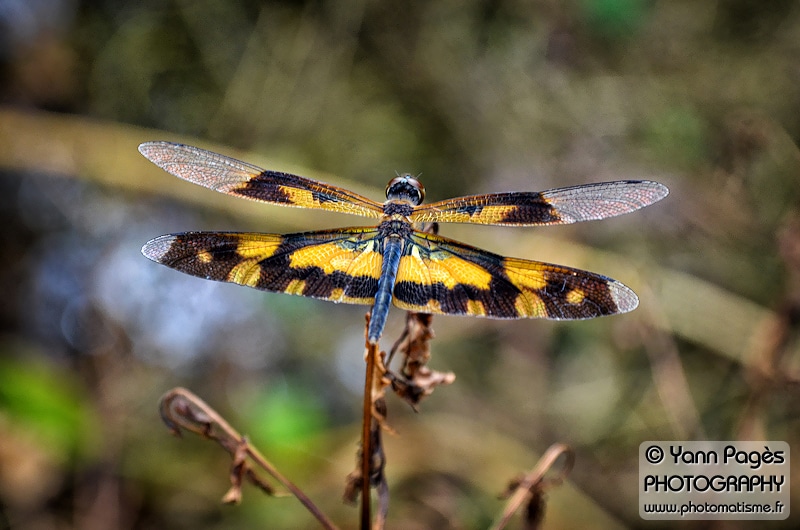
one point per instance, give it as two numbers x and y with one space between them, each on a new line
532 486
369 472
367 446
182 410
772 340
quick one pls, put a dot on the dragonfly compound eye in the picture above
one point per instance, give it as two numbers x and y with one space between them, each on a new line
407 188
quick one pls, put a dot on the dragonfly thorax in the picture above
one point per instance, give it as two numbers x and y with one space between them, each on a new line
405 188
395 228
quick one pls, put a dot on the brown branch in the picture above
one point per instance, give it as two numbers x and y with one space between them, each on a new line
366 435
369 472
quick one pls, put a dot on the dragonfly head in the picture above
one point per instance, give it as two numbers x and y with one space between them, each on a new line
405 188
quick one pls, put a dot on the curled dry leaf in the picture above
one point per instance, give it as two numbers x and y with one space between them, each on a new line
377 465
416 380
238 470
181 410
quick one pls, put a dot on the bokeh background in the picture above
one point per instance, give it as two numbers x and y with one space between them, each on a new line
476 96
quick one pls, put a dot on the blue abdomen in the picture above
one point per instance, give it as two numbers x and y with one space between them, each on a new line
392 248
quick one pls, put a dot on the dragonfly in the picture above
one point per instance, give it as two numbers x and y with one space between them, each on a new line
396 262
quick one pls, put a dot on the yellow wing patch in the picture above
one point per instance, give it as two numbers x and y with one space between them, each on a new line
575 296
299 197
489 215
248 272
333 257
440 268
528 275
255 246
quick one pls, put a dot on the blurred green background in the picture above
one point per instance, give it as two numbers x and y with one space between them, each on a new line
478 97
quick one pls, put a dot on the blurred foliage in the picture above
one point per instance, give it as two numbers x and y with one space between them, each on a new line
45 404
477 96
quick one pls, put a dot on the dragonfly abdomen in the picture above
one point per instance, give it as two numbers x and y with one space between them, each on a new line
392 249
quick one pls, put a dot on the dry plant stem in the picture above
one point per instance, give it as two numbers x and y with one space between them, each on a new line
532 485
770 345
769 349
366 438
176 411
669 375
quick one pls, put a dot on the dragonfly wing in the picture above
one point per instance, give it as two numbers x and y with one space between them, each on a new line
558 206
337 265
233 177
439 275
